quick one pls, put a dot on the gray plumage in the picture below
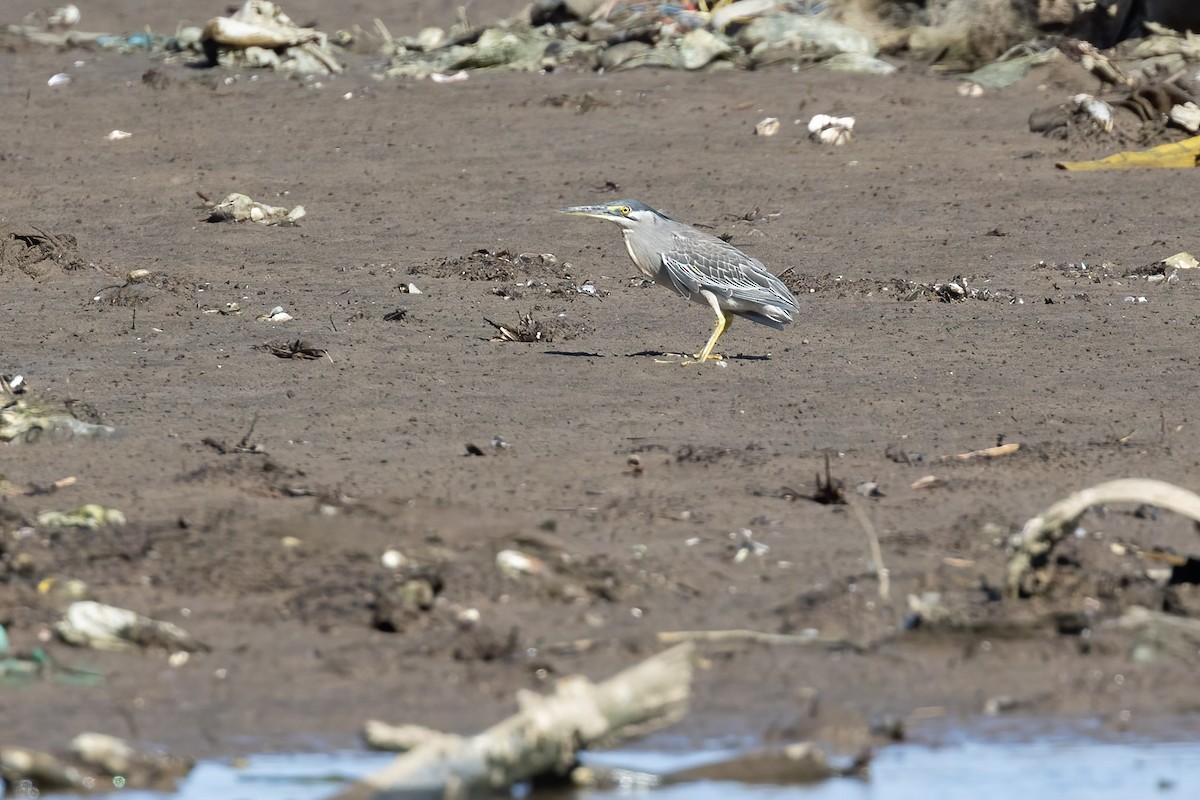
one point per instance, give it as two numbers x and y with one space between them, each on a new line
698 266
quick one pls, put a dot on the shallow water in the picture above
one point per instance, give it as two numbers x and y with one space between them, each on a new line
1063 767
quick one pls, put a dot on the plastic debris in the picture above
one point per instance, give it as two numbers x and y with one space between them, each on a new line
238 207
260 35
90 516
826 129
1176 155
767 127
276 314
24 418
91 624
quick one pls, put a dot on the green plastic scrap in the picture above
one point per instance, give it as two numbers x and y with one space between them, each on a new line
25 420
21 670
90 516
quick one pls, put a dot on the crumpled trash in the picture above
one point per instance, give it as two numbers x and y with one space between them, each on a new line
42 770
90 516
627 34
799 38
1175 155
1009 68
238 207
260 35
91 624
827 129
24 418
113 756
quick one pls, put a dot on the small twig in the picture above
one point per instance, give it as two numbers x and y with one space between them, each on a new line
244 442
987 452
885 586
332 324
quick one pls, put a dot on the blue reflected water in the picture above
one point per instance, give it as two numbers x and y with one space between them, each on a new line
1064 770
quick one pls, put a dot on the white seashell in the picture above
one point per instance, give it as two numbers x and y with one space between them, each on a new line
429 38
60 79
117 135
457 77
1100 111
393 559
65 17
295 215
256 214
767 127
276 314
827 129
1186 115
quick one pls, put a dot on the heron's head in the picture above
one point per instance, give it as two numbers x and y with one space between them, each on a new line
629 214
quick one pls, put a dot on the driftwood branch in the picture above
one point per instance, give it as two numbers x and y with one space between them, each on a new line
1043 532
543 737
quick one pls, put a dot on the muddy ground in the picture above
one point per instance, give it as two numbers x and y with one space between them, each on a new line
365 449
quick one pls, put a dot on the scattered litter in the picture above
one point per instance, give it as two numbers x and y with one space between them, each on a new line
64 17
276 314
91 624
644 698
1181 261
1175 155
826 129
117 135
745 545
409 288
1100 112
514 564
40 772
1008 69
297 348
393 559
985 453
1041 534
260 35
90 516
117 758
527 329
25 418
928 482
869 489
767 127
238 207
398 315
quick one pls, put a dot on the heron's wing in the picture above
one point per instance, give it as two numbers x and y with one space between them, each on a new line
698 261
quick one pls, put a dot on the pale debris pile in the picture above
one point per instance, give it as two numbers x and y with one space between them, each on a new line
260 35
595 35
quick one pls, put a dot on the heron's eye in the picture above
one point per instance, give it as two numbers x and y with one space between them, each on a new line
625 211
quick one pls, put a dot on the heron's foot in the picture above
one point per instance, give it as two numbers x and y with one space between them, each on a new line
672 358
696 359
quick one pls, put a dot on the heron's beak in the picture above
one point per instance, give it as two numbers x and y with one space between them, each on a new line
599 212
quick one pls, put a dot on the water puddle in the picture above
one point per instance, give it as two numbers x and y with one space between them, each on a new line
1063 766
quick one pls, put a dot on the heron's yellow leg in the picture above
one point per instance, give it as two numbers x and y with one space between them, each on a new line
723 323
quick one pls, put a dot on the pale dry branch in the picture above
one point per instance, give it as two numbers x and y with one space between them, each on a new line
1043 532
